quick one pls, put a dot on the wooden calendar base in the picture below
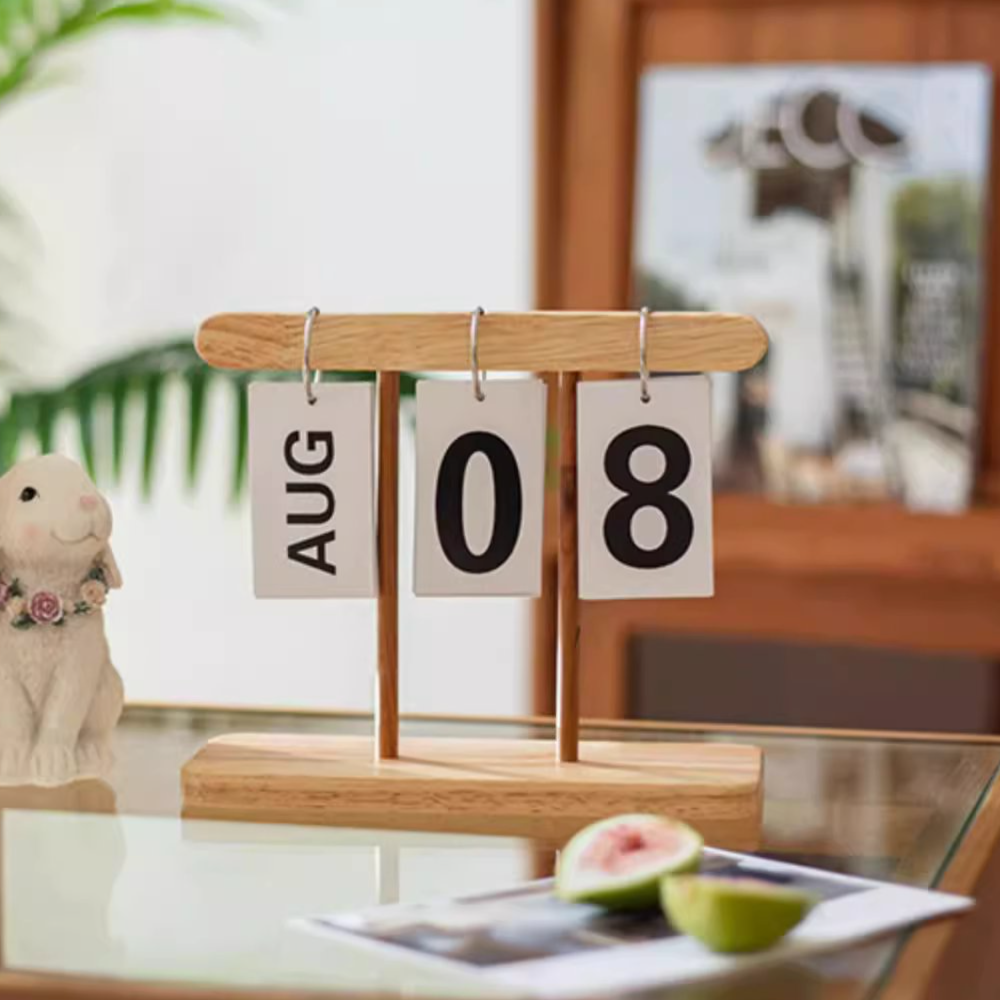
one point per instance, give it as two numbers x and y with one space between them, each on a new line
504 787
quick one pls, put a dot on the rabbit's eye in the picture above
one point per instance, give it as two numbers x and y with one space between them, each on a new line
28 494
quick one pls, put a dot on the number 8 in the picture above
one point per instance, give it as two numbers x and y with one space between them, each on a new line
640 493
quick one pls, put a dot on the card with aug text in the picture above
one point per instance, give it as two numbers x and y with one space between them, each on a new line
312 490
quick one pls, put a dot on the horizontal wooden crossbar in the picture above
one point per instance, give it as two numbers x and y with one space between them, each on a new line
523 341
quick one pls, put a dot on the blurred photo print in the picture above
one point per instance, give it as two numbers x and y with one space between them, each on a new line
525 941
842 206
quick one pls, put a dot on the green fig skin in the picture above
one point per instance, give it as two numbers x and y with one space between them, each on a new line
733 915
641 891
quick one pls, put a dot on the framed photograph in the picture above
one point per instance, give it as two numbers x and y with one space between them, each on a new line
843 206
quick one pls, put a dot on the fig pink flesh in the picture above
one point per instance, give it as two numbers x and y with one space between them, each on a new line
629 847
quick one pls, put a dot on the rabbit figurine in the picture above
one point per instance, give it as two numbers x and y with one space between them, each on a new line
60 696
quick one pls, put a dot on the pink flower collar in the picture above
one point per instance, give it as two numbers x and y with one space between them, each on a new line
44 607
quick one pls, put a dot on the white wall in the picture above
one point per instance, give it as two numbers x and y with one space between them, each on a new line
355 154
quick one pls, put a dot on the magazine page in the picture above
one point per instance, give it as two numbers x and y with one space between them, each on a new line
842 206
527 940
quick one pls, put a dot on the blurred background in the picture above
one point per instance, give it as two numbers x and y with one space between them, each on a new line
163 167
162 161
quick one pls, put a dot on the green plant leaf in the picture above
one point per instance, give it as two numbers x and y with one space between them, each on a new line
153 393
142 375
10 434
27 31
119 393
166 10
45 419
242 436
197 385
84 406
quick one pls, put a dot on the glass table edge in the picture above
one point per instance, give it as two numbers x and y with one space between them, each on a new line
910 940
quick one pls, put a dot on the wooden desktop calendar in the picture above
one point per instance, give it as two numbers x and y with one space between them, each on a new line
500 786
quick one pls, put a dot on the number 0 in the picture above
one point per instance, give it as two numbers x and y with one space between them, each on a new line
507 502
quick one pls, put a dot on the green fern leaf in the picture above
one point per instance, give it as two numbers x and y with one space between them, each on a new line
153 393
84 406
45 421
143 373
28 29
119 394
166 10
10 434
242 436
197 385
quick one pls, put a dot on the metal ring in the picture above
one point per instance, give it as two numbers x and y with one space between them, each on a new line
309 377
643 367
477 377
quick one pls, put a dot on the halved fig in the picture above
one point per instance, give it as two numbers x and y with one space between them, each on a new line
733 914
618 862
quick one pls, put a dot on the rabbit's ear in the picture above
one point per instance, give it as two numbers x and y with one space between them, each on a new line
112 574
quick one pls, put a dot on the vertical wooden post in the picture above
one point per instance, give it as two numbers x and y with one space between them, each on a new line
387 692
545 608
568 682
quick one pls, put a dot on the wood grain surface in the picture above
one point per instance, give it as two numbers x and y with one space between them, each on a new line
528 341
495 786
568 662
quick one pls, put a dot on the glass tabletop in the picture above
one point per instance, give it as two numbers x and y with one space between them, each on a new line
108 880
